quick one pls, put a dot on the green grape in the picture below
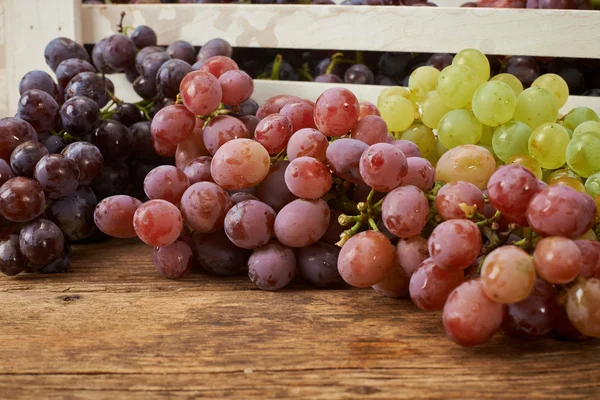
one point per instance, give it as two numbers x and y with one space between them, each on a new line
438 151
536 106
511 139
423 80
476 60
494 103
583 154
548 145
587 127
511 81
487 133
592 185
556 85
396 91
456 85
577 116
459 127
398 112
420 135
432 109
529 163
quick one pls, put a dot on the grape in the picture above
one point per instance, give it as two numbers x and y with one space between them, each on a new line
583 306
582 154
39 80
511 81
536 106
90 85
457 84
173 261
579 115
508 275
510 190
57 174
239 164
249 224
359 74
38 109
6 172
455 243
367 108
118 52
41 241
474 59
251 122
274 132
192 147
182 50
74 216
548 144
371 129
470 317
511 139
218 65
383 167
561 211
494 103
410 253
317 263
423 80
272 266
127 114
157 222
12 261
170 76
407 147
397 111
422 136
450 197
343 156
26 156
79 116
302 222
112 180
459 127
405 211
62 48
336 111
217 255
274 104
198 170
237 87
307 142
166 182
528 162
431 284
469 163
221 130
273 189
201 92
308 178
366 259
204 206
143 36
215 47
172 125
557 259
556 85
14 131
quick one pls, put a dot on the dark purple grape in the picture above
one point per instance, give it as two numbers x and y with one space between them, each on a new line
440 60
54 144
329 78
112 180
140 141
169 77
12 261
88 158
127 114
26 156
217 255
61 264
21 199
143 36
58 175
139 58
90 85
111 137
214 47
41 241
359 74
74 216
39 80
145 88
87 194
317 263
182 50
525 68
394 64
80 116
151 64
39 109
70 68
119 52
61 49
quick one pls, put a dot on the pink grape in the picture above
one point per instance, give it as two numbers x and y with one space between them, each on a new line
240 164
508 275
395 284
307 142
405 211
308 178
420 173
273 189
192 147
272 267
218 65
383 167
166 182
198 170
367 108
172 125
249 224
204 206
371 129
455 243
430 285
114 216
201 92
343 157
583 306
366 259
157 222
274 132
411 252
590 258
561 211
302 222
274 104
221 130
470 317
300 114
336 111
173 261
237 87
408 148
557 259
453 194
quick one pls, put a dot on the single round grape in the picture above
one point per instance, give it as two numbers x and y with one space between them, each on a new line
192 147
343 157
143 36
273 189
405 211
451 196
119 52
114 216
215 253
528 162
62 48
80 116
366 259
21 199
410 253
557 259
455 243
581 154
157 222
511 139
422 136
308 178
166 182
57 174
272 267
371 129
170 76
548 145
579 115
25 157
398 112
201 92
468 163
14 131
90 85
307 142
39 80
459 127
494 103
182 50
470 317
218 65
214 47
383 167
407 147
431 284
508 275
39 109
536 106
367 108
511 81
302 222
236 86
239 164
41 241
420 173
457 84
88 158
583 306
423 80
432 109
556 85
173 261
113 179
474 59
249 224
204 206
198 170
74 216
317 264
336 111
12 261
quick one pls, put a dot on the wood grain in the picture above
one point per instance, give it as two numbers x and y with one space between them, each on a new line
110 328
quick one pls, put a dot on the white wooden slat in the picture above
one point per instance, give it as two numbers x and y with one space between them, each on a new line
565 33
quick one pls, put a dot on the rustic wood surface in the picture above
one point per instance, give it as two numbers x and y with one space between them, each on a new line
112 329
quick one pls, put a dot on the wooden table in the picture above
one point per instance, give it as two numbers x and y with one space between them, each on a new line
112 329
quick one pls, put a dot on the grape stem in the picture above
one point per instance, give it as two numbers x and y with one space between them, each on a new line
276 66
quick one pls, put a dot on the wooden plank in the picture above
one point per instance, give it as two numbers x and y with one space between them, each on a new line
419 29
111 328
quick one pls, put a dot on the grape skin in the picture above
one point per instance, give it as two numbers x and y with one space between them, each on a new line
366 259
302 222
557 259
455 243
317 264
166 182
41 241
405 211
307 142
249 224
383 167
173 261
204 206
308 178
272 266
240 164
157 222
431 284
